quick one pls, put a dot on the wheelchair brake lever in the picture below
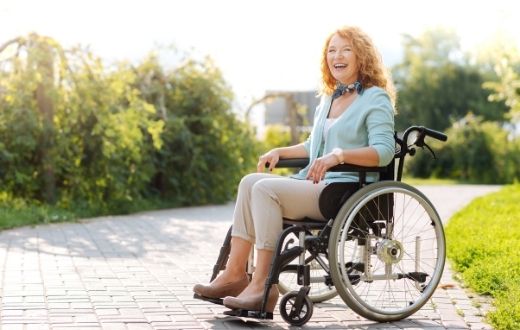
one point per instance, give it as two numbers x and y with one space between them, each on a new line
431 150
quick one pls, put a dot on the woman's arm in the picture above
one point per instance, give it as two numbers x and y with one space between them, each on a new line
381 144
273 156
296 151
366 156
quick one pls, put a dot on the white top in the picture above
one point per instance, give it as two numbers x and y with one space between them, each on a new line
328 123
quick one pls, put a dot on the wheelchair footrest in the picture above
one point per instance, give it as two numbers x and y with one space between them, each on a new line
218 301
248 313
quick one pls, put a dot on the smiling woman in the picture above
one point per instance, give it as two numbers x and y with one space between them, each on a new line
356 125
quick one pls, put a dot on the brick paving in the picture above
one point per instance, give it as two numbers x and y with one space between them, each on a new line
137 272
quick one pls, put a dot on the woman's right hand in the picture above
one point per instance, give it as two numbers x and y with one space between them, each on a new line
272 157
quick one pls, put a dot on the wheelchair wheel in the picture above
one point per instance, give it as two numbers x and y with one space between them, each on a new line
289 311
319 289
387 251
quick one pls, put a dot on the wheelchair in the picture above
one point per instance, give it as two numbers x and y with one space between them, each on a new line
382 250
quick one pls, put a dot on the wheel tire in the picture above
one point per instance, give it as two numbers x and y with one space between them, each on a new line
351 227
286 306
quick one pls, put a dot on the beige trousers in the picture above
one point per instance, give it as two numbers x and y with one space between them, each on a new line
265 199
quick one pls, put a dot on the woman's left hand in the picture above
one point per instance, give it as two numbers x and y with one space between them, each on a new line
320 166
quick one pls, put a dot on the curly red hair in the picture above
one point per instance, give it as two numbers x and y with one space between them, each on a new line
372 72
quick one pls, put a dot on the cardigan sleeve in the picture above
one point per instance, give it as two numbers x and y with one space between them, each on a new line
307 145
380 127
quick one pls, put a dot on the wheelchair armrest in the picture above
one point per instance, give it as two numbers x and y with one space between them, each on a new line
356 168
302 162
291 162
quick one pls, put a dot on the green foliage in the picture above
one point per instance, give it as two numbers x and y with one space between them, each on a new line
85 141
206 149
80 136
476 152
414 181
484 245
437 86
16 212
109 137
505 61
276 136
280 136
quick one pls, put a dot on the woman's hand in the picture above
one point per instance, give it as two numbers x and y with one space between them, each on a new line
320 166
272 157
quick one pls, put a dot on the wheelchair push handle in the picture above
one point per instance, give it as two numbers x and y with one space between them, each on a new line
415 135
434 134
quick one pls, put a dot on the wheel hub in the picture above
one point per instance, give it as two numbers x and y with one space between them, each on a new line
390 251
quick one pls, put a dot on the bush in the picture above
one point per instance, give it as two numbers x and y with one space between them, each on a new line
78 135
206 149
276 136
280 136
476 152
484 245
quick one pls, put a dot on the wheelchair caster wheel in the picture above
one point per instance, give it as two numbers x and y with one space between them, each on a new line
294 313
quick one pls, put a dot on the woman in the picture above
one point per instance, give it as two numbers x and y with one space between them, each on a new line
354 123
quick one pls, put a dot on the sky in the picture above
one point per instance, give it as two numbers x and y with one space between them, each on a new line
259 45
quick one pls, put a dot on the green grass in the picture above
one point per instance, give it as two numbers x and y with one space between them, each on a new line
34 214
484 246
430 181
15 212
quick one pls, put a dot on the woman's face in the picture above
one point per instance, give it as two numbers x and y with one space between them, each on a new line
341 60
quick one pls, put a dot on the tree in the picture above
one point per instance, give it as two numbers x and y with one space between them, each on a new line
32 70
436 84
206 148
70 128
81 134
477 151
504 59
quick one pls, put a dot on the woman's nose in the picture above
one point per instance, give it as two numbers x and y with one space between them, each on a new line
338 55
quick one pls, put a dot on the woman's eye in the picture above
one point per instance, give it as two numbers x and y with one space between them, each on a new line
332 50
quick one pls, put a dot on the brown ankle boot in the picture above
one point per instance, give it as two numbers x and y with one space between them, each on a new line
254 303
232 289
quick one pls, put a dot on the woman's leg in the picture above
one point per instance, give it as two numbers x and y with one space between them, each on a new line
243 224
252 296
262 268
233 277
272 200
243 232
275 199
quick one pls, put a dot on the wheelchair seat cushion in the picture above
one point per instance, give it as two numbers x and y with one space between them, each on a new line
334 195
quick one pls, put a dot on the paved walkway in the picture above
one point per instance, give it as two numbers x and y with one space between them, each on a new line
137 271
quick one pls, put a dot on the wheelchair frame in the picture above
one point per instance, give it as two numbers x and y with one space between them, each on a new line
350 229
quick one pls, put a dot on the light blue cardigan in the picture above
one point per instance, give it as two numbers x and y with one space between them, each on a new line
369 121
